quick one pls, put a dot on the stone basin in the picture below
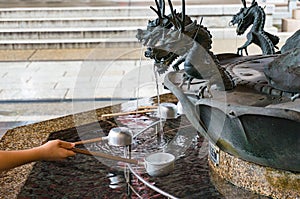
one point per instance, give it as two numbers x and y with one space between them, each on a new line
87 177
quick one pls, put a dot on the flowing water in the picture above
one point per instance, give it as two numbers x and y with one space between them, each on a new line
160 132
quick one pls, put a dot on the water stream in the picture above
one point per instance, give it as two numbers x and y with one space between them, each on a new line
160 131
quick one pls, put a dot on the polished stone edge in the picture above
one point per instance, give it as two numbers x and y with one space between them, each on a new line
259 179
33 135
13 180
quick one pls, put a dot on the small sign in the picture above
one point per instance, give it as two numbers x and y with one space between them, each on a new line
214 154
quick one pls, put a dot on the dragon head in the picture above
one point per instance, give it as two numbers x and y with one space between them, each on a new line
164 36
242 18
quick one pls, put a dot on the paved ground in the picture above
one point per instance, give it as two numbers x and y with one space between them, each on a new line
36 85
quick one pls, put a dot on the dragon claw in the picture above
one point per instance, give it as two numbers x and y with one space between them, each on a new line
204 88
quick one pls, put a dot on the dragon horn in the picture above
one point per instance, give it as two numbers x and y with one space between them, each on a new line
158 11
183 15
173 14
201 21
162 5
244 3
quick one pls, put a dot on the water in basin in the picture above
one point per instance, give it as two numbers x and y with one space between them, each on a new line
89 177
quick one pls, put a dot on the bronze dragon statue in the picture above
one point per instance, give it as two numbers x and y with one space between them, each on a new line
175 39
255 16
284 72
254 118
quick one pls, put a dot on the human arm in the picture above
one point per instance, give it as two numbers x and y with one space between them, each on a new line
50 151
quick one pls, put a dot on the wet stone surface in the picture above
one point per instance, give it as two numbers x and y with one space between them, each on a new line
89 177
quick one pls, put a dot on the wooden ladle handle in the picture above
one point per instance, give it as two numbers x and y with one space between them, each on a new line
91 140
104 155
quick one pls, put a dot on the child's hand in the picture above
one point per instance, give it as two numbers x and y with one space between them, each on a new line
56 150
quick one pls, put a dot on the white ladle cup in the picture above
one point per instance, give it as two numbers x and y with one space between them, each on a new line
118 136
156 164
159 164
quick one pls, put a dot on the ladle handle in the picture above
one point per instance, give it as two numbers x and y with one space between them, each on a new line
104 155
91 140
126 113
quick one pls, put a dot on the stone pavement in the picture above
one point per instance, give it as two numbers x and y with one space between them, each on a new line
56 74
37 85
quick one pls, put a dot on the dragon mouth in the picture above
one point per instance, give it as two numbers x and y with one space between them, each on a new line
163 64
165 61
161 57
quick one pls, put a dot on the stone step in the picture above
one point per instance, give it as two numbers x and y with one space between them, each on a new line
68 43
105 16
89 22
103 33
210 21
92 33
110 43
117 11
76 3
91 42
73 22
85 27
68 33
73 12
178 2
109 16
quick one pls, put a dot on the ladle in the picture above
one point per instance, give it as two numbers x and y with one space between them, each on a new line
122 136
127 113
167 111
107 156
119 136
156 164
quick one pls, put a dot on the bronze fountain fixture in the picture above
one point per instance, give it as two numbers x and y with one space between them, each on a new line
248 107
